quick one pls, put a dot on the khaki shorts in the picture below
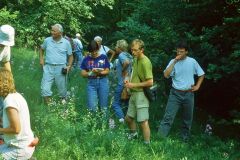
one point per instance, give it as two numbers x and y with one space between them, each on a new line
138 107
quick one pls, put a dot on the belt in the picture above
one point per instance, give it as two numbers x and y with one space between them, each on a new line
55 64
189 90
96 77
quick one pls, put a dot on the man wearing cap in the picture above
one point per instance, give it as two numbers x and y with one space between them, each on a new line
78 50
6 41
56 49
104 49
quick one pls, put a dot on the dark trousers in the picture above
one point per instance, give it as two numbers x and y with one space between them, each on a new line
176 100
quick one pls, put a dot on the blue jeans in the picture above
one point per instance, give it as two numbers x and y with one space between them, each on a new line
176 100
97 91
79 58
117 102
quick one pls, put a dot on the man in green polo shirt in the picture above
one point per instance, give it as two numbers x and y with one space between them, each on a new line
138 104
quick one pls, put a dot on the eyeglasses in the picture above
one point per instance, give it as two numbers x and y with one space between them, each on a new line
180 51
135 50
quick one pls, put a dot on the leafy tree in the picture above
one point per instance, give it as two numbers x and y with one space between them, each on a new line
35 17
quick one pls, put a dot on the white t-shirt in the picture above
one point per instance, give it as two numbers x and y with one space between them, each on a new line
183 73
25 137
103 50
5 54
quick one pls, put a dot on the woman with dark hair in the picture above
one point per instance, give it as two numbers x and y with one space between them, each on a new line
19 142
95 67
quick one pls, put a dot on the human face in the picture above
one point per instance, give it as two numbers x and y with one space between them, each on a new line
99 42
118 50
136 51
94 54
181 53
56 34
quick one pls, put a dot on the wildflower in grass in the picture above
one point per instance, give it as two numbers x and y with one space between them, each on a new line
208 129
20 67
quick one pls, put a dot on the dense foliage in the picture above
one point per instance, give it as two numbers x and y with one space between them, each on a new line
210 26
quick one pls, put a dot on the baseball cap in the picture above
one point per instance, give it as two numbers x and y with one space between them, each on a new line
78 35
7 35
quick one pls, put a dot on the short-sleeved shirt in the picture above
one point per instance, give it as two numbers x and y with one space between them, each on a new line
25 137
103 50
122 58
78 47
89 62
5 54
56 52
183 73
142 69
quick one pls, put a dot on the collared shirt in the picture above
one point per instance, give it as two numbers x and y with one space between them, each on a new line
142 71
78 47
56 52
183 73
5 54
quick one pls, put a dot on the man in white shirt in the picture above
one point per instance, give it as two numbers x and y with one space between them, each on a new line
182 70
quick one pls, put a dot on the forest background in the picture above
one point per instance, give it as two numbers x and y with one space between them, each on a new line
211 28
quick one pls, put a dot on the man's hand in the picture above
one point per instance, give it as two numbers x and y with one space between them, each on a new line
194 88
69 68
41 62
178 57
129 85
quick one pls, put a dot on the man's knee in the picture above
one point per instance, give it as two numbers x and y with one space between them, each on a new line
144 123
129 119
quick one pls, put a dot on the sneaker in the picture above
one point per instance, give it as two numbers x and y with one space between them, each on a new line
63 101
132 136
121 120
111 123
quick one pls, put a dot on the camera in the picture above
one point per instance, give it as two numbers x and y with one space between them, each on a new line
64 71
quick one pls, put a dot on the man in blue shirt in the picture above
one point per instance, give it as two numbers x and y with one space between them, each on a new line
182 70
78 49
56 49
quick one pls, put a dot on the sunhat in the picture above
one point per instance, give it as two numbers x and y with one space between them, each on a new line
7 35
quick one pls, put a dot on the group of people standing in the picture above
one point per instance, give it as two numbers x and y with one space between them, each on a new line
133 71
17 139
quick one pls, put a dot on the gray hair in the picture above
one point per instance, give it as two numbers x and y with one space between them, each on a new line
122 44
59 27
98 38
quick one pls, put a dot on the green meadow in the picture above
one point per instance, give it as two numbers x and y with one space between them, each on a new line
69 132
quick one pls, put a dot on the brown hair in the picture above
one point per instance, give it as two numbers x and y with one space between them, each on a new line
93 46
6 82
139 42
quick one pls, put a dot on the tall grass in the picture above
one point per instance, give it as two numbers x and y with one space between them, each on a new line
69 132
